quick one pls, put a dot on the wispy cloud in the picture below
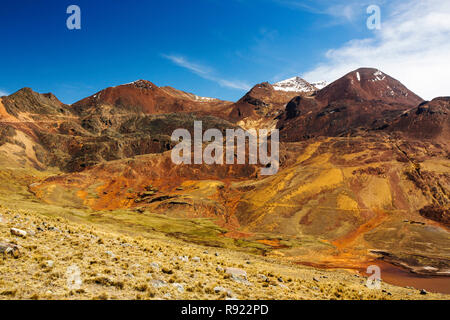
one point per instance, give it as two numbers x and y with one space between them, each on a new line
339 11
205 72
183 62
413 46
3 93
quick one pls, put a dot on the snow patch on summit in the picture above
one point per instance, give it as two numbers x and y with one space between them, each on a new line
379 76
295 84
319 84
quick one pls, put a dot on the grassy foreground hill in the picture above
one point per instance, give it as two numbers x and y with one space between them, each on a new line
62 259
70 253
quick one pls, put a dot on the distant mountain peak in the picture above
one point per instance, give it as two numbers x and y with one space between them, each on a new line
368 84
319 84
369 74
294 84
143 84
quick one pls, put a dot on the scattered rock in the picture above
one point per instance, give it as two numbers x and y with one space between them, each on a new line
54 229
155 266
280 279
109 253
315 279
196 259
10 249
156 283
237 275
219 289
263 277
179 287
18 232
219 269
50 263
236 272
423 292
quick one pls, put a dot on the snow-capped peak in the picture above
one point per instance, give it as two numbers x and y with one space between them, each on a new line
295 84
319 84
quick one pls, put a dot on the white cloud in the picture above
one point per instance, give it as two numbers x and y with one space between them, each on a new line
206 72
3 93
339 11
413 46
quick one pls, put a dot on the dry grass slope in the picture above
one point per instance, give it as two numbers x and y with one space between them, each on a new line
117 266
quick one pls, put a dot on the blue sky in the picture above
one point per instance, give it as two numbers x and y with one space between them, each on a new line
213 48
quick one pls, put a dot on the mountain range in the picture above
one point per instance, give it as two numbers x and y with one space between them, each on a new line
364 165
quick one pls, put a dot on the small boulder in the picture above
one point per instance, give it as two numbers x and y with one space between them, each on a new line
219 289
18 232
219 269
110 253
236 272
237 275
10 249
179 287
155 266
263 278
156 283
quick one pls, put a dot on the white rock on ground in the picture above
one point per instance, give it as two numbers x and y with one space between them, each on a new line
18 232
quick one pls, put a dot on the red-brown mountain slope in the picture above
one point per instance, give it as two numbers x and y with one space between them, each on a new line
362 99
